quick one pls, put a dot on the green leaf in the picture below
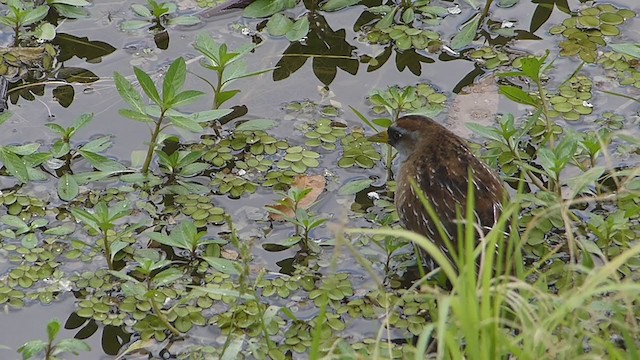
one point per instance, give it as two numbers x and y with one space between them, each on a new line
235 346
35 15
92 176
223 265
579 184
32 348
507 3
14 164
135 115
186 123
223 96
628 49
134 24
257 124
167 276
263 8
4 117
279 24
73 346
223 292
166 240
548 160
282 245
518 95
334 5
100 162
14 221
81 121
184 20
474 3
484 131
466 35
53 328
354 186
71 2
86 218
147 85
142 10
209 115
61 230
70 11
299 30
128 93
173 81
98 145
68 188
22 150
186 97
531 67
45 31
387 20
29 241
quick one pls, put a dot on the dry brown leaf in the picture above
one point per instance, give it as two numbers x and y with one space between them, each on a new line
229 254
316 183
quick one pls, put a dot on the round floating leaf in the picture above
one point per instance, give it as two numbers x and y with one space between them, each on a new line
589 21
611 18
609 30
563 107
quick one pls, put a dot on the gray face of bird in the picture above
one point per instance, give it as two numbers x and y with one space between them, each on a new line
403 140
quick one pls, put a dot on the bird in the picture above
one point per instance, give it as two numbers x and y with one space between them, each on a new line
439 161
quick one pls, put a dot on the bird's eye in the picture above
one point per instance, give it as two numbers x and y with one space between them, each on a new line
394 135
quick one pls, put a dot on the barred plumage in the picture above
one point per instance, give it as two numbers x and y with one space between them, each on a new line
438 161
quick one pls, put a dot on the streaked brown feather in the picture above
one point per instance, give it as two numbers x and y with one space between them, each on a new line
439 165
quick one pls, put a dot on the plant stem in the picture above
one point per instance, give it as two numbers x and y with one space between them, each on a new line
163 319
485 11
217 90
545 110
152 144
107 250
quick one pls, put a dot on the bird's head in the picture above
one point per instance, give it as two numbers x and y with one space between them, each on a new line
408 134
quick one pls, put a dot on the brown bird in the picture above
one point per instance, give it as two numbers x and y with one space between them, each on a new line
438 161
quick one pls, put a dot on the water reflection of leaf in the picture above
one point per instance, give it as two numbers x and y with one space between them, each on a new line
543 12
328 49
91 51
412 60
76 75
64 95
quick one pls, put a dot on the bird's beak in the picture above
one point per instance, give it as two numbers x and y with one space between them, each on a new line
381 137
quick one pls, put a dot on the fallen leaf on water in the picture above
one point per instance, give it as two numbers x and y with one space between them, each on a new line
229 254
316 183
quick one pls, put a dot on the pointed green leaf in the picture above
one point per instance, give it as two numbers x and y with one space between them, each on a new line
466 35
68 188
128 93
101 162
14 164
53 328
186 97
299 30
518 95
173 81
186 123
335 5
134 115
147 85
